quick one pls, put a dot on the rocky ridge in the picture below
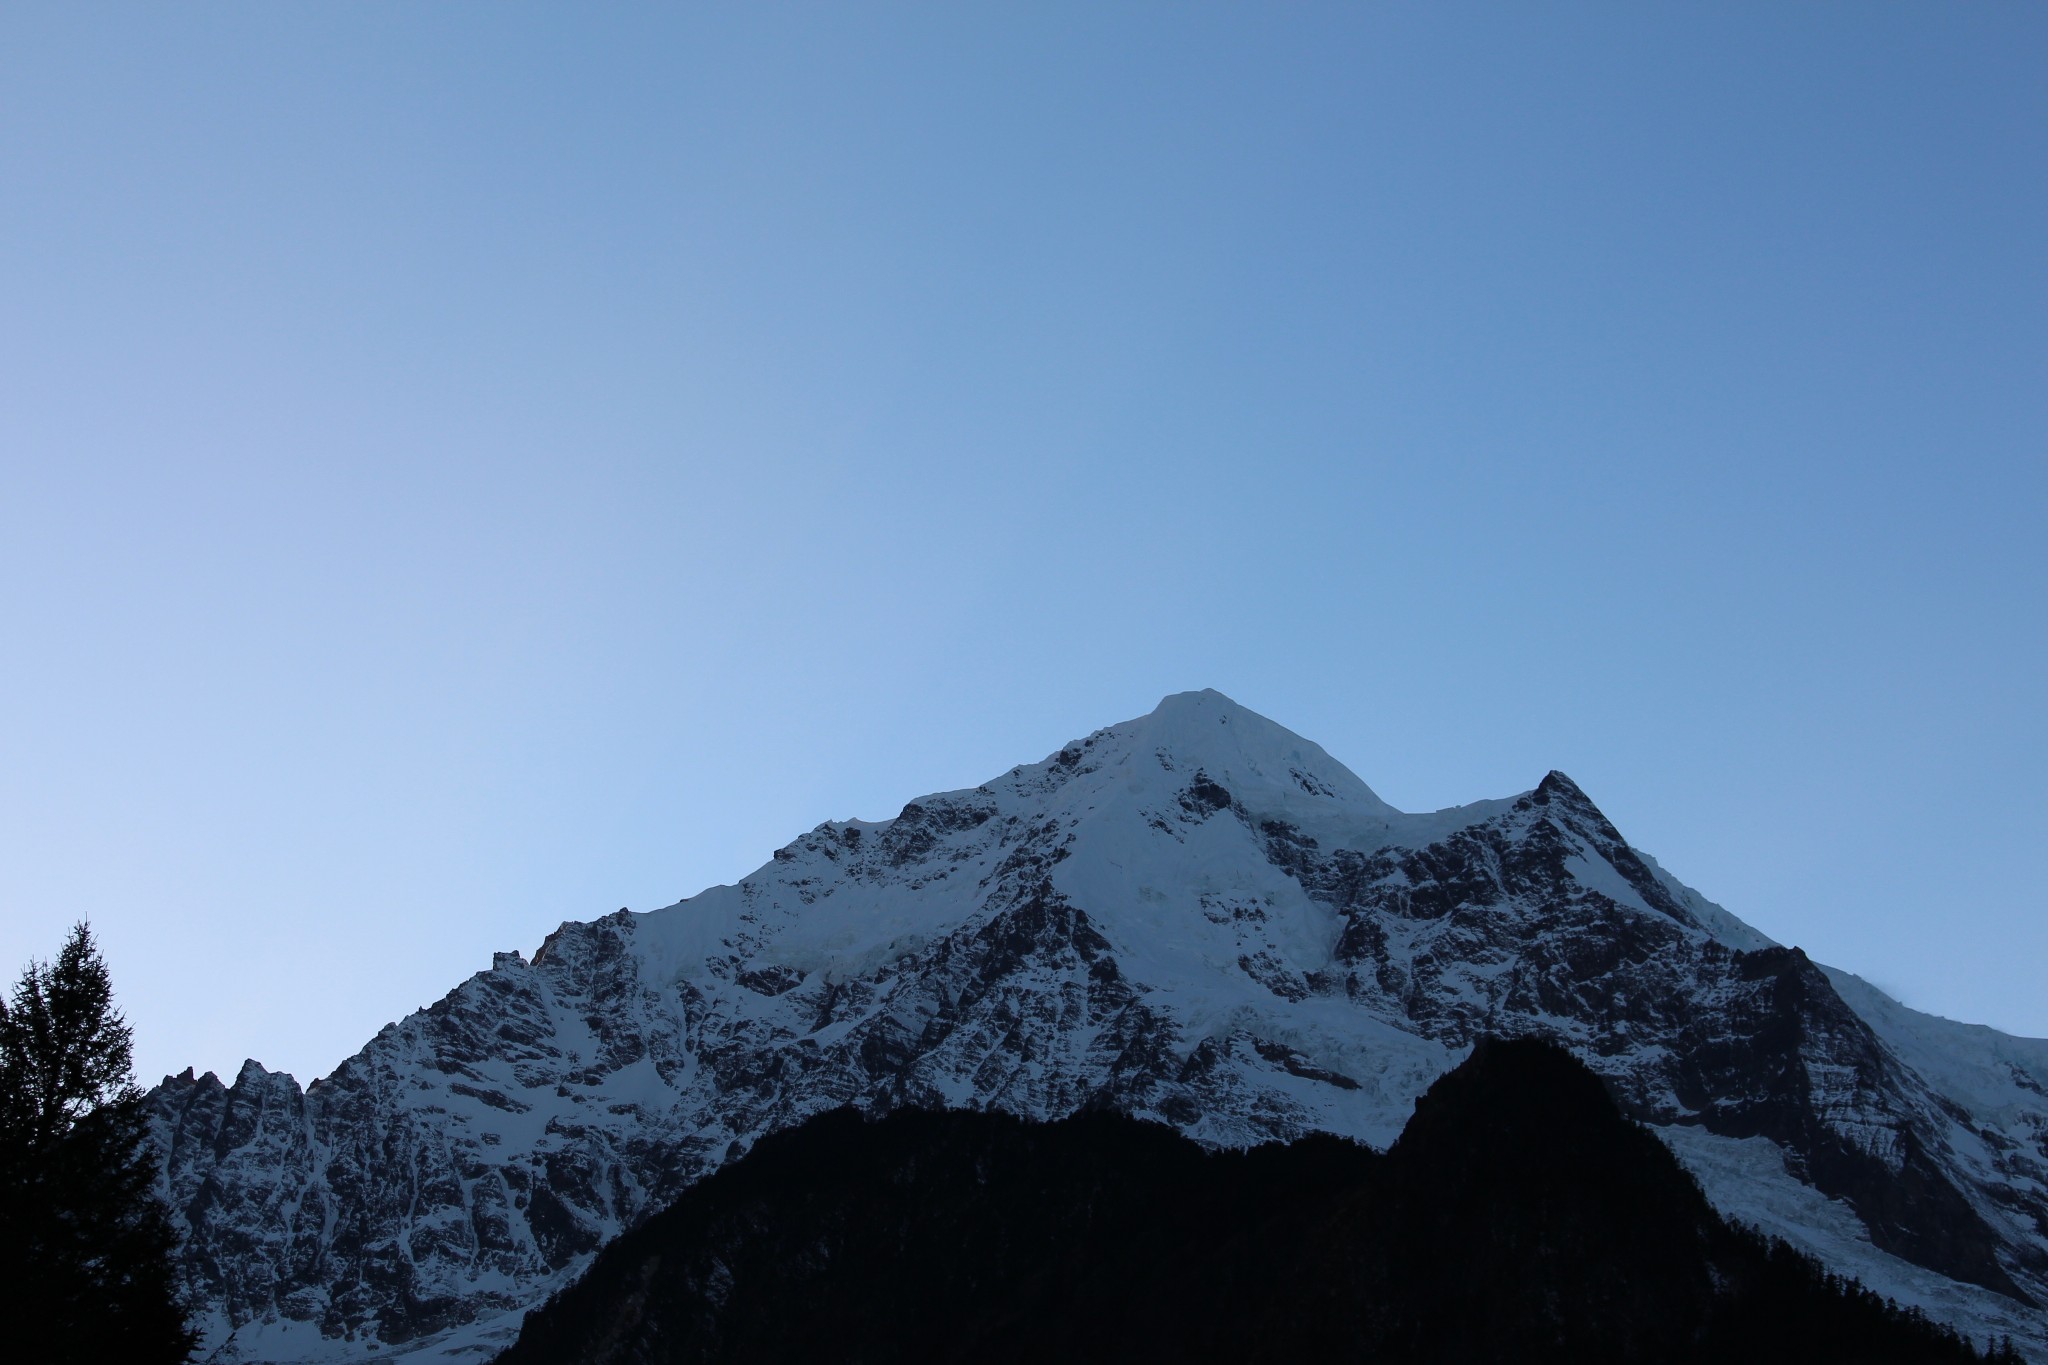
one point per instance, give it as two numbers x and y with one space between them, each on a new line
1195 917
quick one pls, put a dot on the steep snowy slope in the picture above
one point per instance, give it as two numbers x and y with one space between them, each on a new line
1196 916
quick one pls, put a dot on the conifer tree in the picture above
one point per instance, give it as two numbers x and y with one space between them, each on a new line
86 1269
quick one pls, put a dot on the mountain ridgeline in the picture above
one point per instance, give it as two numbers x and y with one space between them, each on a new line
1519 1217
1195 918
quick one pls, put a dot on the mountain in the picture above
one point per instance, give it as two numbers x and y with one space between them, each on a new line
1196 918
1519 1217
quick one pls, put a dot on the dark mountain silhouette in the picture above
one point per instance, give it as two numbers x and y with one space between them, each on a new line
1519 1217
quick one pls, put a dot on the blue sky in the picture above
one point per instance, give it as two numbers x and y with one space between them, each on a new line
468 467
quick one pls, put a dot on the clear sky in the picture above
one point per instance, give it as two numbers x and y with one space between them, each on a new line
466 467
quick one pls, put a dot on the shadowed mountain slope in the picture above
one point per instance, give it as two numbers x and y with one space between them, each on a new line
1519 1217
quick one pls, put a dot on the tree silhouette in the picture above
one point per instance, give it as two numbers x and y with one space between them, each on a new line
86 1271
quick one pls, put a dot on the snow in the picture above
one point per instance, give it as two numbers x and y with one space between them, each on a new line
1748 1182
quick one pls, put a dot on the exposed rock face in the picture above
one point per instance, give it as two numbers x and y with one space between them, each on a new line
1195 917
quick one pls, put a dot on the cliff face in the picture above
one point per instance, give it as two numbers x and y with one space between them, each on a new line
1195 917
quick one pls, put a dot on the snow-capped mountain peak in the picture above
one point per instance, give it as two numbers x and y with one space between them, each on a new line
1195 916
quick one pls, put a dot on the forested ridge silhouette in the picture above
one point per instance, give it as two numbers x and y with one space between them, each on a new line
1519 1217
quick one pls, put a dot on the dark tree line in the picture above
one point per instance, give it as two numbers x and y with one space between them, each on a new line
1520 1218
86 1251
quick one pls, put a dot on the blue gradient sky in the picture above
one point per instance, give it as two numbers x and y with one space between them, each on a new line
467 467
